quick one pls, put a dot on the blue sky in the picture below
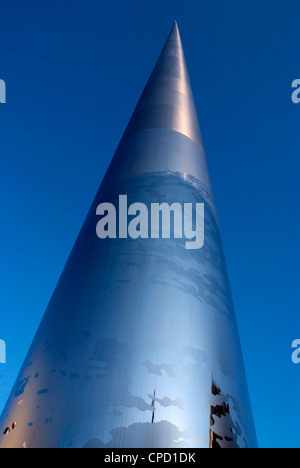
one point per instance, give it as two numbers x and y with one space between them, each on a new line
74 71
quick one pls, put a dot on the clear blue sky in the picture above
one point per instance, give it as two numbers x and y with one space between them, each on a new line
74 72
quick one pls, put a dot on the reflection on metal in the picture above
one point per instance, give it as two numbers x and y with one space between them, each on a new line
136 328
153 404
8 429
224 430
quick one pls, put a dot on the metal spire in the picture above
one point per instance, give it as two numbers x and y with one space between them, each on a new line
130 315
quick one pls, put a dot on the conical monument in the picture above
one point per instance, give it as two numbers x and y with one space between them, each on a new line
139 345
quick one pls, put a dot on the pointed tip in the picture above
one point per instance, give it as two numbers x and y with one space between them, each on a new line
167 101
174 31
175 26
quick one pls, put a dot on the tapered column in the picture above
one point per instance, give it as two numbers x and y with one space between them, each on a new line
139 345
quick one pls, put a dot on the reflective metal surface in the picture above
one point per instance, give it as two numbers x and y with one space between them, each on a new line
139 345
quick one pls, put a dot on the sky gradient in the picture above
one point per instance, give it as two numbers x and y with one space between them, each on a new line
74 71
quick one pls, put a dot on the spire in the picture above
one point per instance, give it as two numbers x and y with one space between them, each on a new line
167 101
175 32
133 314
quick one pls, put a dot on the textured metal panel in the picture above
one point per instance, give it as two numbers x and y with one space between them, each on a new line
139 345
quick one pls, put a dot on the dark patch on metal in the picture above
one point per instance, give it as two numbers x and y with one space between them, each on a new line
153 404
214 444
21 386
9 429
223 431
43 391
220 410
48 347
215 390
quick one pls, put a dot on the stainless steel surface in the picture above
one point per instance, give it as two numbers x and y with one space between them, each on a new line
139 345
